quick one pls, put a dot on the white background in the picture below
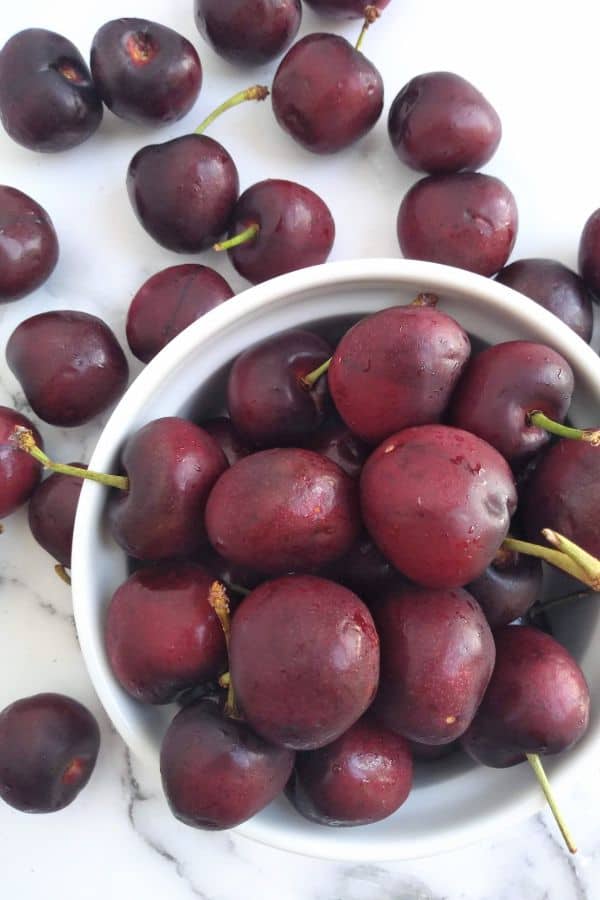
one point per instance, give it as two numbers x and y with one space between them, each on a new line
537 62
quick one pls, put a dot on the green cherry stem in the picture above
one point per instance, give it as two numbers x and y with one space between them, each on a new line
256 92
549 555
25 441
536 764
63 574
541 420
219 601
241 238
371 15
311 379
588 563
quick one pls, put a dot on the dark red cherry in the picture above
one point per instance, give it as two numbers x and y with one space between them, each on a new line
48 749
145 72
168 302
440 122
28 244
162 634
555 287
335 441
589 254
51 513
19 472
363 776
216 773
304 660
502 385
326 94
248 34
285 227
269 402
231 443
283 510
345 9
365 570
466 219
397 368
69 364
508 588
437 501
172 465
437 656
48 101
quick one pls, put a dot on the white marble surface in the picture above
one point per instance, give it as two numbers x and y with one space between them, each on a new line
537 62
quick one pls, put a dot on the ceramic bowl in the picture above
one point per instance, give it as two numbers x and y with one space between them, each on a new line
453 802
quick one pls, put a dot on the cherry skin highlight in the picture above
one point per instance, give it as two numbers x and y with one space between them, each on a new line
28 244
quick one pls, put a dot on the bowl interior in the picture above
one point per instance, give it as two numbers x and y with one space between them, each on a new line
453 801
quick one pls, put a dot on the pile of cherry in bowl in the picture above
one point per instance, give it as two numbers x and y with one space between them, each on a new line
324 579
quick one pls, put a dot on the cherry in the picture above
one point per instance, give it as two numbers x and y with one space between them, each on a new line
48 749
440 122
556 288
363 776
304 660
345 9
51 514
326 94
19 473
162 634
168 302
508 588
216 773
504 387
269 401
145 72
172 465
466 219
437 501
245 34
365 571
335 441
283 510
437 656
589 254
28 244
276 227
69 364
231 443
396 368
183 191
48 101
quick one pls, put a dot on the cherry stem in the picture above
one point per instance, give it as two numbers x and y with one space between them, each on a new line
425 300
63 574
563 555
218 599
25 441
585 560
541 420
539 609
536 764
371 15
256 92
311 379
241 238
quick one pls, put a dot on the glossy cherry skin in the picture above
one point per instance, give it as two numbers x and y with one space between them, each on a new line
162 634
283 510
556 288
145 72
468 220
296 229
19 472
248 34
231 443
508 588
589 254
335 441
440 122
326 94
183 191
269 403
304 660
345 9
363 776
437 657
48 101
48 749
28 244
563 493
397 368
437 501
537 700
69 364
168 302
172 465
51 514
216 773
504 383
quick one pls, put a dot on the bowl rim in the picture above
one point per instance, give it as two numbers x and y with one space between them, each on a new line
399 272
